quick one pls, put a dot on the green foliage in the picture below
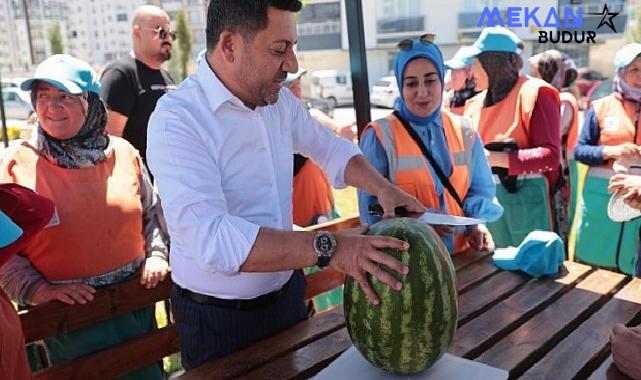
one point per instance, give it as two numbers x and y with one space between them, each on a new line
55 39
184 42
634 30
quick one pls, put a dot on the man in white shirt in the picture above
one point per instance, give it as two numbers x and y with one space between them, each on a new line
220 147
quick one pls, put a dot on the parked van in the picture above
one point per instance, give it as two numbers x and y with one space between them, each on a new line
332 85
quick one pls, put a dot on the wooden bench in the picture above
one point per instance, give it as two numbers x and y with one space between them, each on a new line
53 318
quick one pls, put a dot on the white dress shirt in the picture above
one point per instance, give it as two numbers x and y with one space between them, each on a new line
224 170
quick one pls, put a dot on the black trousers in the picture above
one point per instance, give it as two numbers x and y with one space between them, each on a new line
208 332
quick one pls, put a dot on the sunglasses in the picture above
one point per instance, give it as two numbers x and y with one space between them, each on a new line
162 33
406 44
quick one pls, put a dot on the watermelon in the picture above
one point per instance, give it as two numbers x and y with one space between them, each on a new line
409 330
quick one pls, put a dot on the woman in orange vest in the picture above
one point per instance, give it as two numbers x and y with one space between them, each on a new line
23 214
610 132
105 224
312 198
461 80
518 119
559 70
431 153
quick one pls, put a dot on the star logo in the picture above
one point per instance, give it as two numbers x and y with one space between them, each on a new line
606 15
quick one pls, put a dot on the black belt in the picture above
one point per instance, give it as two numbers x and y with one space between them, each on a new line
234 304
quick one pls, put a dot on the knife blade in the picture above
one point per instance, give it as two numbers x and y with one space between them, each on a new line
428 217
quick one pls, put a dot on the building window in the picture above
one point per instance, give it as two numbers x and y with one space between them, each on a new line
121 17
194 17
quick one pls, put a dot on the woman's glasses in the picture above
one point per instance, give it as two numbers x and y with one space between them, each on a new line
406 44
162 33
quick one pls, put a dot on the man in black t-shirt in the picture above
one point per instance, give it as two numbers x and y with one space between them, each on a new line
132 86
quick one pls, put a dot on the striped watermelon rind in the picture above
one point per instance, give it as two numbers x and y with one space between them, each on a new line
411 329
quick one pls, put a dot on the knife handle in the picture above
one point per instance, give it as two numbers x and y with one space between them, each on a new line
377 209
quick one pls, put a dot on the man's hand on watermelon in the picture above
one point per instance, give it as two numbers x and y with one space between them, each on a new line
358 254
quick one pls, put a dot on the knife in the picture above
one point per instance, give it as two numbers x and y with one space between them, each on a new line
428 217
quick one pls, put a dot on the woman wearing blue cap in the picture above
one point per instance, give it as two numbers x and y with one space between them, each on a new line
429 152
462 82
105 224
518 119
610 133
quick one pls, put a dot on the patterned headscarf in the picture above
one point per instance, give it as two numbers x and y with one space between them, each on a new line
623 90
554 67
87 148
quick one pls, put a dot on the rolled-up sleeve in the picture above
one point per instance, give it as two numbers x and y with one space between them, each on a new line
328 151
194 204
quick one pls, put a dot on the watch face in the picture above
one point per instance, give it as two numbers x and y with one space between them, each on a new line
323 243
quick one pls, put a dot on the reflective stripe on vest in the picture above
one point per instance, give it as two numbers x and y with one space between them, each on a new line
408 168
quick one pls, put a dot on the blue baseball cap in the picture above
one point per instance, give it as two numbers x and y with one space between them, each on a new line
496 38
9 231
540 254
461 59
68 73
292 77
626 55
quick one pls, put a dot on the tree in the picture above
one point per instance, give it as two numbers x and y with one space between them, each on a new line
184 41
55 39
634 26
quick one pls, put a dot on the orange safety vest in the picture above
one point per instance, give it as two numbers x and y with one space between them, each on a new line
408 167
312 196
509 118
97 225
616 122
573 132
457 110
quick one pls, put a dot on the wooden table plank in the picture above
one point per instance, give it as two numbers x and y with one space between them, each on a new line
472 275
608 371
583 351
480 333
466 259
55 317
526 345
490 292
271 348
118 360
306 361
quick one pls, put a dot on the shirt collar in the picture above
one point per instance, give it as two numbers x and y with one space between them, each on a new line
437 122
215 91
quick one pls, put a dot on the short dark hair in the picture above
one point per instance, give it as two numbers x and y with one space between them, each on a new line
244 16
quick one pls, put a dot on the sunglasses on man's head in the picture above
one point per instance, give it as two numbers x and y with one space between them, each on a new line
162 33
406 44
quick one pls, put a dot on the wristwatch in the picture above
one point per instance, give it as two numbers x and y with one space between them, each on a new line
324 246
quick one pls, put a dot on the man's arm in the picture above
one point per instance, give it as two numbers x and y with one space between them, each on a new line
356 254
361 174
119 96
116 123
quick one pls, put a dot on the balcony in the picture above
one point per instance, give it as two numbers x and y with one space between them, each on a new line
401 25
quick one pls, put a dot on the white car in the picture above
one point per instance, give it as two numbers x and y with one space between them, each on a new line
17 103
384 92
335 86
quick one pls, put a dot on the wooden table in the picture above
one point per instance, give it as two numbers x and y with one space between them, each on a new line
553 328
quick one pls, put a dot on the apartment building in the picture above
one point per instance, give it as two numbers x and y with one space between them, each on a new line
323 40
